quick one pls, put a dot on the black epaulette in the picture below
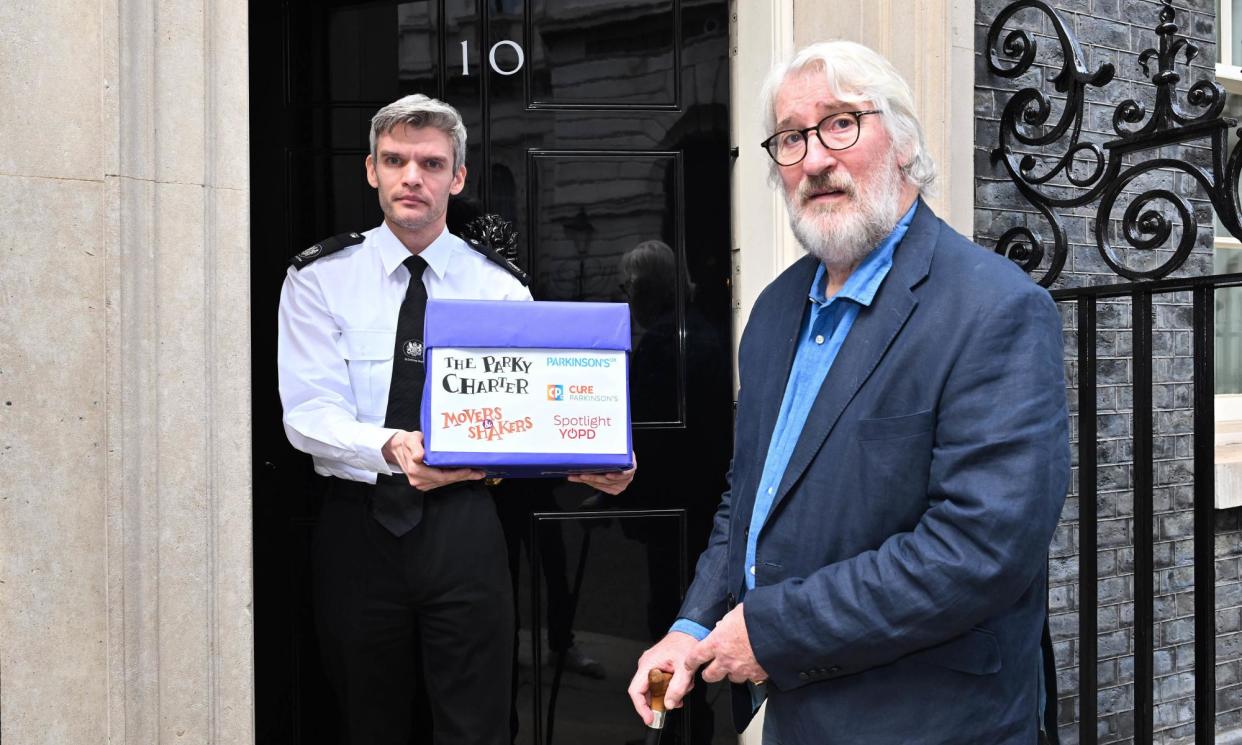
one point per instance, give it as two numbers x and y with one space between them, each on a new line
494 256
325 247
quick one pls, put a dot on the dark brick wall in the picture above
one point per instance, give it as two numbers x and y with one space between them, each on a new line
1116 31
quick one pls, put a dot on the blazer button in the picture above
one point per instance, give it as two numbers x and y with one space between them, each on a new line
803 676
834 670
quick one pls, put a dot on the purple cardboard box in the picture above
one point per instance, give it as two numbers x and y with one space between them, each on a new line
527 388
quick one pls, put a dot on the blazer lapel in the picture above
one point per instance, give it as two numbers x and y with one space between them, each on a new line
787 322
870 337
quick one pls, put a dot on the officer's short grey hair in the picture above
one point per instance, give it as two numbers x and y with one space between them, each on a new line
418 110
854 73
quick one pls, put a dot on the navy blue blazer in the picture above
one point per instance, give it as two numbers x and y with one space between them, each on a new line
900 576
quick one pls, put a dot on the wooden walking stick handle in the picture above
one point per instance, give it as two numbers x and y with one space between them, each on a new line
657 686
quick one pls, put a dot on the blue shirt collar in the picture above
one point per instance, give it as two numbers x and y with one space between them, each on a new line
864 282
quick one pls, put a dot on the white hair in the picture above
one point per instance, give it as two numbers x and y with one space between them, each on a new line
417 111
854 74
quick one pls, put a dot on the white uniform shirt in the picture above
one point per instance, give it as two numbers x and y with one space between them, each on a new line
337 331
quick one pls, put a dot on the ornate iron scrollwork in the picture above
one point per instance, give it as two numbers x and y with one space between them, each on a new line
493 231
1144 225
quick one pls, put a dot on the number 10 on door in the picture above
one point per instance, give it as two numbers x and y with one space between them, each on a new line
491 57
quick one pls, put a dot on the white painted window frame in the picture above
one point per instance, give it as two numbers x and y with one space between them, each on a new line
1228 70
1228 408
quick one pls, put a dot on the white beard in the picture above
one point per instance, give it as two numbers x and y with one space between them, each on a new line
843 235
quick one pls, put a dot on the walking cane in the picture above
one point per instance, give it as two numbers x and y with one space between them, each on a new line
657 685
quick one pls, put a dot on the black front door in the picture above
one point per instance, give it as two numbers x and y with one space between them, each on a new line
599 128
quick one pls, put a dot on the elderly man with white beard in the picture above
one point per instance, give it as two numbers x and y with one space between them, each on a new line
876 571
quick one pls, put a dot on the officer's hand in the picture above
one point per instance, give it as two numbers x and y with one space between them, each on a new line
669 655
405 449
613 482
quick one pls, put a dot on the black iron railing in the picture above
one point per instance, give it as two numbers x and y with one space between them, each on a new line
1055 166
1140 296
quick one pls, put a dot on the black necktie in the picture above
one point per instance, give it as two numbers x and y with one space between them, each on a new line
397 505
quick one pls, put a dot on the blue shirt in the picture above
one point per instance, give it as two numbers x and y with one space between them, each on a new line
824 327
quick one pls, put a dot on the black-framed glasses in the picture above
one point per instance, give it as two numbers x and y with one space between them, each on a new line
835 132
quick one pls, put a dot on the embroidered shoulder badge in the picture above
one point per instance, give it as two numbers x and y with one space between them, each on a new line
325 247
494 256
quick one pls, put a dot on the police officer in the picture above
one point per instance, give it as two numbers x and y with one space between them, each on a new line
409 560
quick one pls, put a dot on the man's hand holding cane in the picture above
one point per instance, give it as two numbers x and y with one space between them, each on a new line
726 648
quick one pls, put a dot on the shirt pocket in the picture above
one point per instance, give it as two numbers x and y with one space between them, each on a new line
368 354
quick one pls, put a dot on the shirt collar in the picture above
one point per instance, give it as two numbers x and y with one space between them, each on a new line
864 282
393 252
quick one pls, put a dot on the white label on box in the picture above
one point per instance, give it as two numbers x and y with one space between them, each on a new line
528 401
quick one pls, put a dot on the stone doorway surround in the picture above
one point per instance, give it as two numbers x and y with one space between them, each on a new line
125 525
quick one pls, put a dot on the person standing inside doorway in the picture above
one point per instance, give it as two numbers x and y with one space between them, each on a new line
409 560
